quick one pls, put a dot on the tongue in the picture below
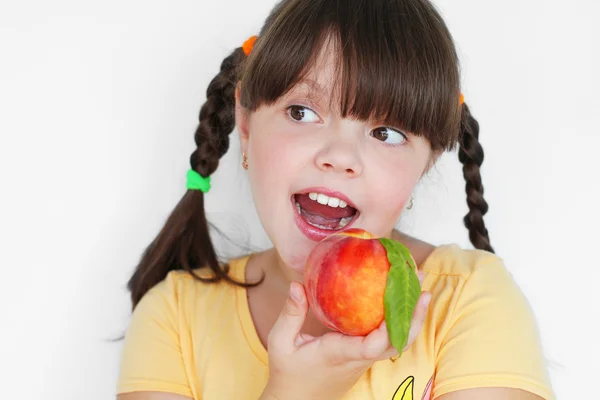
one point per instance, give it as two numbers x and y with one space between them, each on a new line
323 210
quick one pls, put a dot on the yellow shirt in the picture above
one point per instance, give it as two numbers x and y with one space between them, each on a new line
198 339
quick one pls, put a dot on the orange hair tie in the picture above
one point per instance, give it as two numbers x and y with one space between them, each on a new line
249 44
462 99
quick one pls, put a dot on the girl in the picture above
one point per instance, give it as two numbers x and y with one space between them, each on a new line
341 107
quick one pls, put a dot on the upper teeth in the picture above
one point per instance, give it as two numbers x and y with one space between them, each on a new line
330 201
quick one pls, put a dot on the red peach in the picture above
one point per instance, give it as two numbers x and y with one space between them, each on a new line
345 278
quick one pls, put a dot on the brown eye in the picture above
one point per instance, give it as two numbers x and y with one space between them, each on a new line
388 135
380 134
297 113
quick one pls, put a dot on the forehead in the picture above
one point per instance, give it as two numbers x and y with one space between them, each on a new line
321 80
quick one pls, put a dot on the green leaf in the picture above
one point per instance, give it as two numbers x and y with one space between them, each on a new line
401 293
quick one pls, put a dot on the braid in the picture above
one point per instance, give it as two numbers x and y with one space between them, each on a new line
217 117
470 154
184 241
216 122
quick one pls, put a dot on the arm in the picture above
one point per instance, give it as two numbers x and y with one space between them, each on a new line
499 393
152 363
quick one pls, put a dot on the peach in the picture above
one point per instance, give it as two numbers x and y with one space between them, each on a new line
349 286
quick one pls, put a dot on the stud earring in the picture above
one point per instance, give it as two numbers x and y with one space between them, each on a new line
244 161
411 204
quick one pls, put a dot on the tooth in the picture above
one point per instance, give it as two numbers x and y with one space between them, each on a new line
312 196
298 208
319 226
343 204
333 202
344 222
322 199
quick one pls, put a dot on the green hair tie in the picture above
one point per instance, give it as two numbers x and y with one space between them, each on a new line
197 182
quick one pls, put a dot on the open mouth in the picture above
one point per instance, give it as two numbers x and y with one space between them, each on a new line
319 215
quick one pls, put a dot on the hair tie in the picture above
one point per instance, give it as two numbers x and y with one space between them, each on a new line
462 99
195 181
249 44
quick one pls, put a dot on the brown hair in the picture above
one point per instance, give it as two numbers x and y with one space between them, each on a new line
396 63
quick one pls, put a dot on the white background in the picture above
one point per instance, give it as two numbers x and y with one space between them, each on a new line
98 104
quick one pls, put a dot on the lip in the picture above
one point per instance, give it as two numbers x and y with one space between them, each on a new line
312 232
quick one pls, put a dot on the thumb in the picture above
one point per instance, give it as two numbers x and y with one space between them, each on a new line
289 323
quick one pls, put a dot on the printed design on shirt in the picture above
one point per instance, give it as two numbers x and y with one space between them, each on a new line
406 388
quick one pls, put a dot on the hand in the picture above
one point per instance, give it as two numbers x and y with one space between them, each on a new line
326 367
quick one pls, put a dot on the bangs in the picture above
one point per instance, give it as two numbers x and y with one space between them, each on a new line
389 68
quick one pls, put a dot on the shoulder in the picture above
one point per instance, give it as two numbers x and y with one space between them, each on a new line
452 259
450 263
473 284
445 259
184 293
461 277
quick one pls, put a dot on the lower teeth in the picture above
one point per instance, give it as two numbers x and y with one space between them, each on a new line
343 222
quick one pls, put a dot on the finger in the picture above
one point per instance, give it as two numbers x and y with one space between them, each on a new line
289 322
340 348
421 276
418 318
377 344
303 338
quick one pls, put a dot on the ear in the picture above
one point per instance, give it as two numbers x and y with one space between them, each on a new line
241 121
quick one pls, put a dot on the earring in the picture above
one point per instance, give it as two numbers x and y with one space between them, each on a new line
244 161
411 204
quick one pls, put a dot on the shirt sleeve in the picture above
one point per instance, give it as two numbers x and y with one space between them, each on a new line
493 340
151 358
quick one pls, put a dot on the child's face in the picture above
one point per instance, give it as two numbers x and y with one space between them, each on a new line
309 148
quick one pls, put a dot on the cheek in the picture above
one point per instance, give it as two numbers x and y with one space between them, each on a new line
276 155
396 192
273 160
262 157
393 181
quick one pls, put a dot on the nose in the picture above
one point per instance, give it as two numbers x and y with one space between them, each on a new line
340 157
